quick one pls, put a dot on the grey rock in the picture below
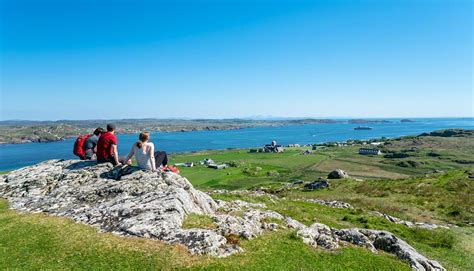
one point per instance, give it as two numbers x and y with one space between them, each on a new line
422 225
318 235
388 242
258 215
331 203
270 226
227 224
318 184
338 174
354 236
142 203
250 225
238 205
293 224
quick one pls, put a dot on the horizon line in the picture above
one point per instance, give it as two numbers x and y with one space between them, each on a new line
271 118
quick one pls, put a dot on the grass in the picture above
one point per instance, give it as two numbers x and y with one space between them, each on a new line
193 221
440 198
292 165
453 247
38 241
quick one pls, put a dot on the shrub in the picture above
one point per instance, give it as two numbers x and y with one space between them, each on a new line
252 171
272 173
235 163
396 155
408 163
433 154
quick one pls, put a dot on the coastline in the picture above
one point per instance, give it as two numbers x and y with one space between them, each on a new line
60 131
47 132
138 131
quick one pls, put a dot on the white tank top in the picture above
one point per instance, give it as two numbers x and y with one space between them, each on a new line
143 158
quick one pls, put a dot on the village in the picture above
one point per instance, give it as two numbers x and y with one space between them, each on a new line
372 148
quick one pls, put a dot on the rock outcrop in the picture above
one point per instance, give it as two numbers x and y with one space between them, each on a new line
142 203
338 174
330 203
317 184
422 225
373 239
154 205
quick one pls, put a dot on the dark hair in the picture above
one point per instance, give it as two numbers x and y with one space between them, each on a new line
110 127
98 131
144 136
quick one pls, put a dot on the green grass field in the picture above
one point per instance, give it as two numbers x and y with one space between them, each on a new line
39 241
292 165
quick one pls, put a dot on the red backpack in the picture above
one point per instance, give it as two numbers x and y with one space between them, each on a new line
78 151
171 168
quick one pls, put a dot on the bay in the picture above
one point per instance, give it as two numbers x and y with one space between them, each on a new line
13 156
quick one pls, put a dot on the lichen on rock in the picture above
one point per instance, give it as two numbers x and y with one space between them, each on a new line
142 203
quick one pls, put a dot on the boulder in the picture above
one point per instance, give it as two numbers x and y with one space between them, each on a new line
318 184
390 243
318 235
338 174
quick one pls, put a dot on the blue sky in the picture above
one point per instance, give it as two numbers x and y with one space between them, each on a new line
99 59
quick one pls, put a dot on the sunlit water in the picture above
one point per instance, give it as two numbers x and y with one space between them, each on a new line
15 156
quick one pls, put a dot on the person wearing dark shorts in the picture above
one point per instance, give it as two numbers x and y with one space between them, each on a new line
161 158
107 147
90 144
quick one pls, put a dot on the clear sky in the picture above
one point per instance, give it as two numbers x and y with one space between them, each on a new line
77 59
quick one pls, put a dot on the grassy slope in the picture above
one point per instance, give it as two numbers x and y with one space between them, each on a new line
34 241
454 248
38 242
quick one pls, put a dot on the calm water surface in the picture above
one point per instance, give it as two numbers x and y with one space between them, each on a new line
15 156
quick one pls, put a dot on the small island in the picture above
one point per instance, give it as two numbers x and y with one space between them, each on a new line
366 121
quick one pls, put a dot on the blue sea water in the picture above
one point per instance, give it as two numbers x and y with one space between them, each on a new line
13 156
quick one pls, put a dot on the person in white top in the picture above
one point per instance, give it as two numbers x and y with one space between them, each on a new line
144 153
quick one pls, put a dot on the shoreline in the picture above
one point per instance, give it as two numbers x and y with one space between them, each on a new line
137 132
54 131
330 143
299 122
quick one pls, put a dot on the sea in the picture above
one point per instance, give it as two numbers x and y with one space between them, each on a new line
14 156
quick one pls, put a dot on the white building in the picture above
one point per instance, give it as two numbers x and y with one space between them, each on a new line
365 151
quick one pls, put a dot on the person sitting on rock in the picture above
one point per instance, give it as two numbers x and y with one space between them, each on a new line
144 152
107 147
90 145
